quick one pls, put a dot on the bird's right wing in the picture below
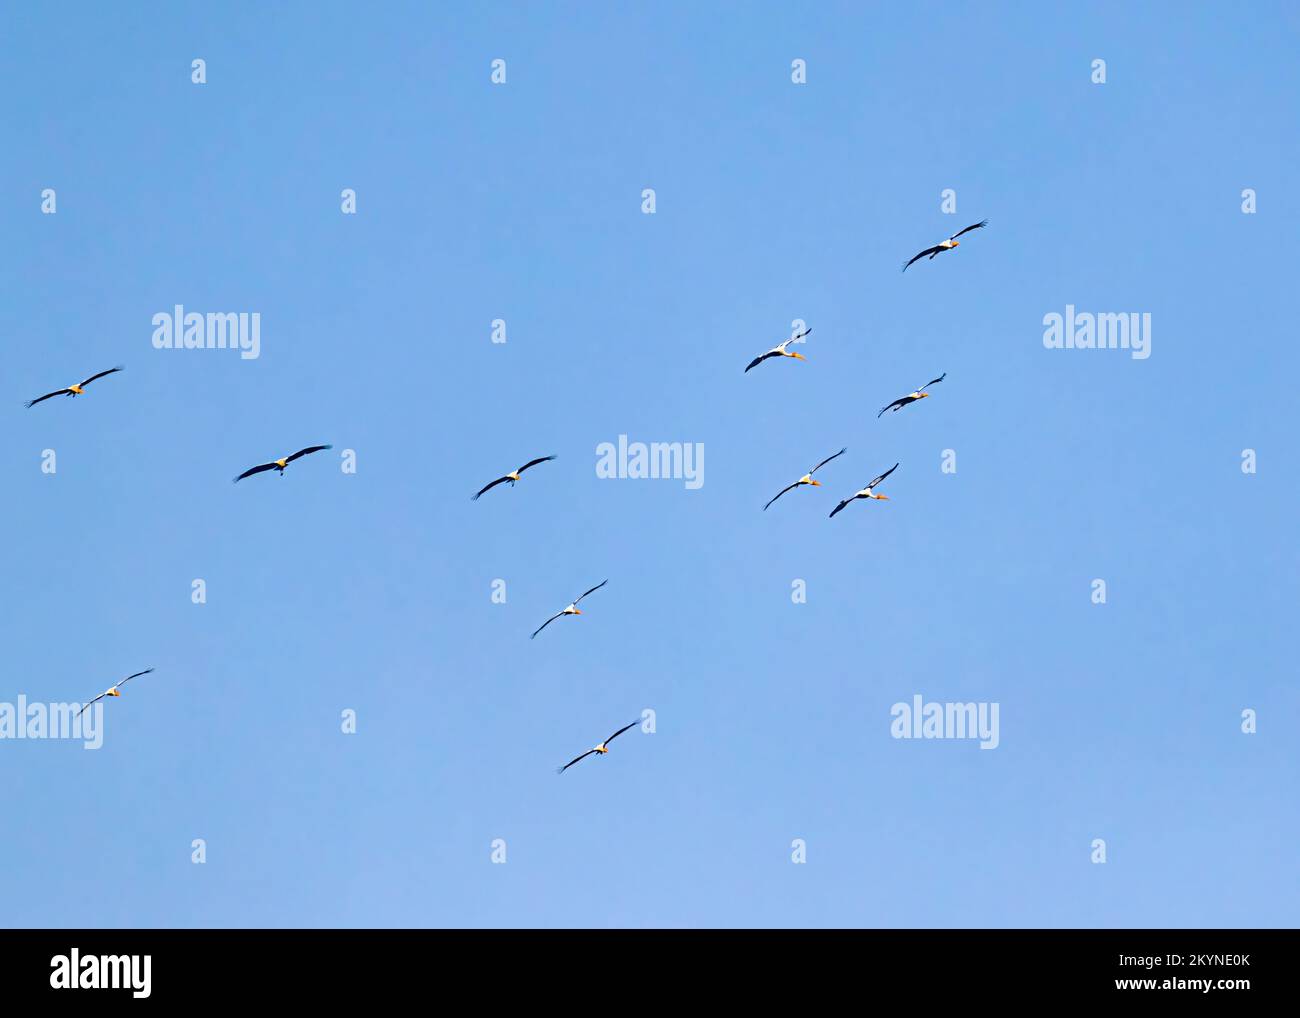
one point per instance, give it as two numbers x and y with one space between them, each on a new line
135 676
545 624
933 381
827 460
779 494
928 251
883 476
621 731
592 590
100 375
574 761
49 395
306 452
760 359
840 506
900 402
255 470
489 487
533 463
968 229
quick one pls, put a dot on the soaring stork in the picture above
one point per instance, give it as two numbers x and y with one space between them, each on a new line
806 478
571 610
513 475
280 464
72 390
867 492
912 396
946 245
601 750
113 690
780 351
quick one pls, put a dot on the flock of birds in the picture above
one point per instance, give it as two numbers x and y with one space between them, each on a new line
780 350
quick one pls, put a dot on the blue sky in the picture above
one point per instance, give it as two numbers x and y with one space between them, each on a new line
775 202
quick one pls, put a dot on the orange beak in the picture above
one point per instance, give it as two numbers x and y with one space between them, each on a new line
577 611
956 243
883 498
923 395
114 693
799 356
817 484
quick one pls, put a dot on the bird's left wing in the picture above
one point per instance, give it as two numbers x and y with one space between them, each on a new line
900 402
255 470
574 761
779 494
545 624
928 251
306 452
592 591
977 226
94 701
621 731
760 359
488 487
827 460
100 375
49 395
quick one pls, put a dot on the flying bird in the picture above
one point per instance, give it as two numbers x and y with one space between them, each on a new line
780 351
867 492
806 478
912 396
946 245
280 464
113 690
571 610
72 390
602 749
513 475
